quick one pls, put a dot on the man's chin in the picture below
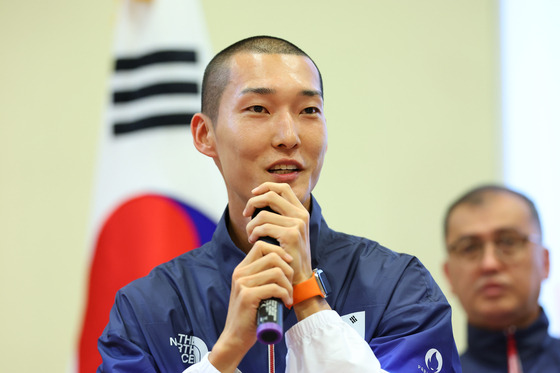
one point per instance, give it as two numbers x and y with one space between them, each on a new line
303 195
495 318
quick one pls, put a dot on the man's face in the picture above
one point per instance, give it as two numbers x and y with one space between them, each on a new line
270 125
496 290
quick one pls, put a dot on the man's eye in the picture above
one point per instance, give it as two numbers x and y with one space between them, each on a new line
310 110
468 248
509 241
506 241
258 109
471 249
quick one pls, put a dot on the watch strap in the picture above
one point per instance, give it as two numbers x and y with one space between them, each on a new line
308 289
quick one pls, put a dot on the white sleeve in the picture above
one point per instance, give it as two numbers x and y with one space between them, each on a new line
204 366
323 342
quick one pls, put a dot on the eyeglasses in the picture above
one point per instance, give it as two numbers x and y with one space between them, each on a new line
508 244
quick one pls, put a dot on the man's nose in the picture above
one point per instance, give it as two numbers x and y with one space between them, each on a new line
490 257
286 134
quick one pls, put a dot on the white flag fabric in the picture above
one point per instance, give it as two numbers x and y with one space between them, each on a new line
155 196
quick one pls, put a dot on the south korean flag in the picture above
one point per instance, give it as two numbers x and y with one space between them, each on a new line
155 196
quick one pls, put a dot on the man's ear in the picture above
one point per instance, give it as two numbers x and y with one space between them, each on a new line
203 135
546 262
447 274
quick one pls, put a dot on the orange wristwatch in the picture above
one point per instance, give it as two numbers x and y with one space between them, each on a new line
316 285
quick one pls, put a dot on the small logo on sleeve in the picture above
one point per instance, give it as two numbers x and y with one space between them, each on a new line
191 348
357 321
433 361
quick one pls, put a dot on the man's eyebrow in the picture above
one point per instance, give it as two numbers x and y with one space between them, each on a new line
269 91
311 93
259 91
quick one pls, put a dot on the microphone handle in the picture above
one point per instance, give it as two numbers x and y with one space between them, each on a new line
269 314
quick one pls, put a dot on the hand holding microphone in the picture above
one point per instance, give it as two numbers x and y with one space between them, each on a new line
293 228
269 314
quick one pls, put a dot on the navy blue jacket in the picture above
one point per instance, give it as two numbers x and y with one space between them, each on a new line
487 351
168 320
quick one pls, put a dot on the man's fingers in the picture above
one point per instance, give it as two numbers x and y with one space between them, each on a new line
264 274
267 284
262 249
280 197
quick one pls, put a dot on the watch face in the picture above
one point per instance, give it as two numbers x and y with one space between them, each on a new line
323 282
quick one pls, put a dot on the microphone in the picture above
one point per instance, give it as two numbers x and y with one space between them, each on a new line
269 313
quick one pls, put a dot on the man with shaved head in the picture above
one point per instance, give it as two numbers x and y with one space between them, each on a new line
349 304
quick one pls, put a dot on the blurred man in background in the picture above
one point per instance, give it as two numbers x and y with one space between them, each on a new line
495 265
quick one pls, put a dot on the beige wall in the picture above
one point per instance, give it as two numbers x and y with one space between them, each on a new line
412 101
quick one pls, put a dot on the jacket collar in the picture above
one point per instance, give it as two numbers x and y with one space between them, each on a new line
490 345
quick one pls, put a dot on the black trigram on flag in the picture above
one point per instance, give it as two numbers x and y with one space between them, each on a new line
155 90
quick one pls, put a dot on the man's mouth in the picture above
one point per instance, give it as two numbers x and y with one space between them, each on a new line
492 289
283 169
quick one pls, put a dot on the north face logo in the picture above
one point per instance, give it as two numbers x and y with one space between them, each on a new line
191 348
